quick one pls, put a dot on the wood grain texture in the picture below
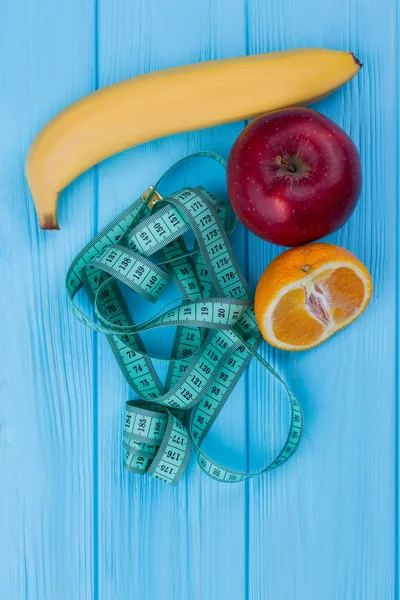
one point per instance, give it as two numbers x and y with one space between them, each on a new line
323 526
73 523
46 368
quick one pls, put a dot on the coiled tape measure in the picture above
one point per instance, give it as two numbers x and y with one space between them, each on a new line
216 332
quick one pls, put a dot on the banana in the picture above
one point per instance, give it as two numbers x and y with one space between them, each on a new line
162 103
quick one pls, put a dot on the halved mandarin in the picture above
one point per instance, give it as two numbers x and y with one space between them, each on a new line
308 293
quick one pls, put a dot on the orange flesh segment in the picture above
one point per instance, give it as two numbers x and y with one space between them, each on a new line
292 323
347 290
299 319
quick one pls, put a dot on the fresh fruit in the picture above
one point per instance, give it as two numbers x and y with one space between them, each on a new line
165 102
293 176
308 293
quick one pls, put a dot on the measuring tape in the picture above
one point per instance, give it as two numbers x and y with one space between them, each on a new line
216 331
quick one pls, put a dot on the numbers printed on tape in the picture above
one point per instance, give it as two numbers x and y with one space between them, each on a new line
216 333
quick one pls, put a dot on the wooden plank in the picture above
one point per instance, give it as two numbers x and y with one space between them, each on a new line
187 542
323 525
46 357
395 14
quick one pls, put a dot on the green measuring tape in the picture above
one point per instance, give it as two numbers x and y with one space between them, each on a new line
216 334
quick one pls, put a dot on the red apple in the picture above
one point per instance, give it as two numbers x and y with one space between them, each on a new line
293 176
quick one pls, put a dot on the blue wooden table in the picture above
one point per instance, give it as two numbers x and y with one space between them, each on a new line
73 524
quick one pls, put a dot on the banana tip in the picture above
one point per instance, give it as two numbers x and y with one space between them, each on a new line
356 60
48 222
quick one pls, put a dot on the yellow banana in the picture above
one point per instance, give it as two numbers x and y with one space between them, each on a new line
186 98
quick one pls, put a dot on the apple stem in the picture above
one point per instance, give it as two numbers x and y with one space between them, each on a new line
287 164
